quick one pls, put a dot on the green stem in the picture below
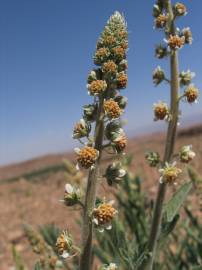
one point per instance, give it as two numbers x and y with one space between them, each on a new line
169 148
90 197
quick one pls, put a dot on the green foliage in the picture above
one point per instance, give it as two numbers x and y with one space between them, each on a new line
38 266
19 265
172 207
125 245
50 234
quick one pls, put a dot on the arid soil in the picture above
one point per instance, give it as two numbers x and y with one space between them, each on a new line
37 202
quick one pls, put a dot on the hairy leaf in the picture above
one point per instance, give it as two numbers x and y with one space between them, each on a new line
174 204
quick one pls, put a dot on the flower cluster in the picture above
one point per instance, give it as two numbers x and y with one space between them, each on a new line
191 93
81 129
186 77
103 215
100 130
186 154
187 34
87 156
158 75
169 173
175 39
72 195
64 244
161 51
161 111
112 109
175 42
153 158
180 9
114 173
161 20
97 87
105 83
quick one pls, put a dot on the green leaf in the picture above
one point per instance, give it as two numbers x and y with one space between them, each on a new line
37 266
168 227
174 204
17 259
197 268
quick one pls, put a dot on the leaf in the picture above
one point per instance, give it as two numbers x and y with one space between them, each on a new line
174 204
17 259
37 266
197 268
168 227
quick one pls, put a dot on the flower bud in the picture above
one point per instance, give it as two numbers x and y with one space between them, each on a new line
187 34
175 42
90 112
112 109
158 75
72 195
169 173
161 20
114 174
122 101
161 51
191 94
103 215
120 143
81 129
180 9
153 158
113 130
97 87
157 10
94 75
64 244
123 65
87 156
186 77
186 154
161 111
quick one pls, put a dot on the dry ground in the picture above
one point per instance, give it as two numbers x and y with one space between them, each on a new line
36 202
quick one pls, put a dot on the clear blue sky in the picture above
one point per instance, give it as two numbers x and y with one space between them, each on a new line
46 53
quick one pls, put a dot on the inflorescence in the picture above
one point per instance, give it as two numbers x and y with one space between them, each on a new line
175 40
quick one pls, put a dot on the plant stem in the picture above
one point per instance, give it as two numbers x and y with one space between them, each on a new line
90 197
169 148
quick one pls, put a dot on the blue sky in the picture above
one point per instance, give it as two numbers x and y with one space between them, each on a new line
46 53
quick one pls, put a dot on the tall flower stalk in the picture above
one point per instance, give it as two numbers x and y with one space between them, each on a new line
104 84
100 130
165 17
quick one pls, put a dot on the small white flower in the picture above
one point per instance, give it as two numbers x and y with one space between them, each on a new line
77 150
186 154
69 188
65 255
122 173
112 266
109 227
95 220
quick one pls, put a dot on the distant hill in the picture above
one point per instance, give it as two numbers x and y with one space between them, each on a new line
136 146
